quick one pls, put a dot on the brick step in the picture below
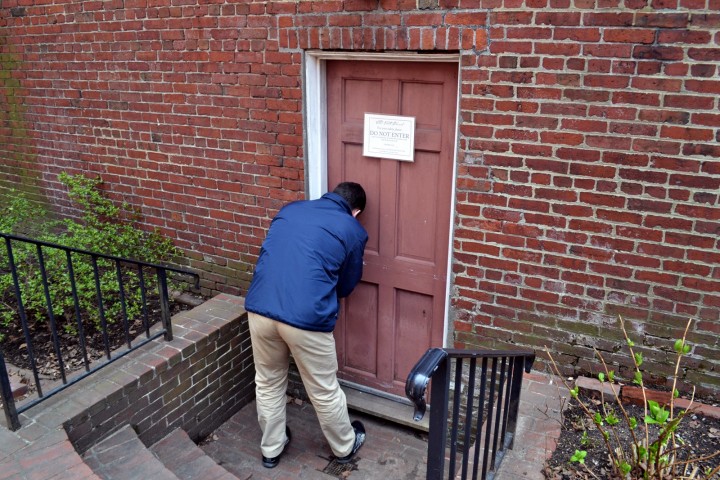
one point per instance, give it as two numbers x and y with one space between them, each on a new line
187 461
123 456
21 457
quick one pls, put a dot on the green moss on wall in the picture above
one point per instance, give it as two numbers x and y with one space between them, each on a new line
17 157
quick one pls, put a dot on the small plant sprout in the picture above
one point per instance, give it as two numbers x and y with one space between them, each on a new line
585 439
579 456
658 415
681 348
574 391
638 359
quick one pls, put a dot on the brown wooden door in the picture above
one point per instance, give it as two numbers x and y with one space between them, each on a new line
398 309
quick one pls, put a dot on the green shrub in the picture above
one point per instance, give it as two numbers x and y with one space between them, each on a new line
103 227
19 213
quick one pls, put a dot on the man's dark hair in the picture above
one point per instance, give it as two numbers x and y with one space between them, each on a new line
353 193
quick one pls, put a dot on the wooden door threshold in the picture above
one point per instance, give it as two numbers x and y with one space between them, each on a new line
382 405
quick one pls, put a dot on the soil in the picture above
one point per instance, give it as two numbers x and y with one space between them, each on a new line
699 434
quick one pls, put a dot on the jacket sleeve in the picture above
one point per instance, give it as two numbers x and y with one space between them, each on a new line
352 269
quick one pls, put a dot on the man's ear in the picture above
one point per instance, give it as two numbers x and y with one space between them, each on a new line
356 212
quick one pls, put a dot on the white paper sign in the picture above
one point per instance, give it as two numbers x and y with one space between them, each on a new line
389 136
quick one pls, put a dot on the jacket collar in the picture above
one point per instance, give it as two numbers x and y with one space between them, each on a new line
339 200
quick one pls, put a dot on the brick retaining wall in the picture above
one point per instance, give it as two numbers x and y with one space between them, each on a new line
195 382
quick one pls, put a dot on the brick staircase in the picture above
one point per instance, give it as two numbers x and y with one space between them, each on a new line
123 456
232 452
188 461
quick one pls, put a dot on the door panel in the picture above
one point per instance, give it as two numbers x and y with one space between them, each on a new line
361 309
413 316
398 309
418 194
367 174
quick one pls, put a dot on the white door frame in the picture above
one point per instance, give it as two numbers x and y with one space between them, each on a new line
315 131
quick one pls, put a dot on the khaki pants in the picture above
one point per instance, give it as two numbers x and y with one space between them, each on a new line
314 354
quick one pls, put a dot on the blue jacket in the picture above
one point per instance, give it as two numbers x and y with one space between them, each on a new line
311 257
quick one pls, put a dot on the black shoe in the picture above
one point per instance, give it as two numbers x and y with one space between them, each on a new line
359 440
273 462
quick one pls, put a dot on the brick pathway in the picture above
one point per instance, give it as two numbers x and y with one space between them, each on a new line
391 452
538 428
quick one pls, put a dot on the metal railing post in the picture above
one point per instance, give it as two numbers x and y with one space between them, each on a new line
11 415
437 435
164 303
469 419
23 316
488 426
78 315
454 424
514 406
51 313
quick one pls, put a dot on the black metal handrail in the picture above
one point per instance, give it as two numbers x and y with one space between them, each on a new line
123 269
467 419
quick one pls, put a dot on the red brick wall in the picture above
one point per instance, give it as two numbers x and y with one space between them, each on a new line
588 166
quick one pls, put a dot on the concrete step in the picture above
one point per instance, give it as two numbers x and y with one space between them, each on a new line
123 456
395 409
187 461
